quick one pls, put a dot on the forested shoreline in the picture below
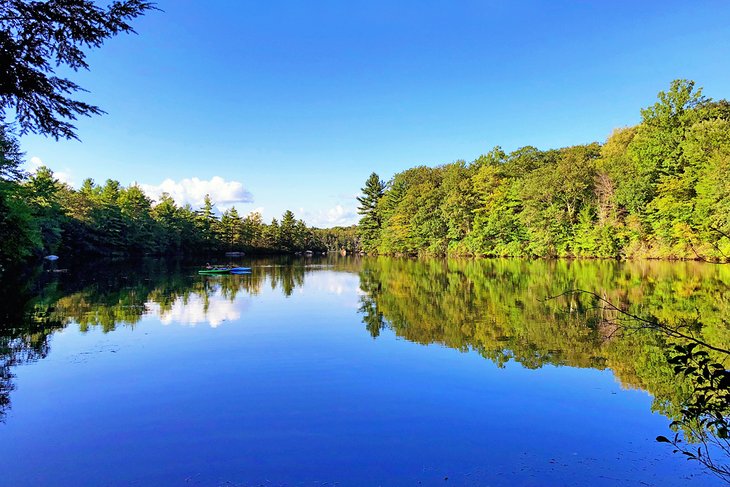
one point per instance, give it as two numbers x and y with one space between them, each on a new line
40 215
655 190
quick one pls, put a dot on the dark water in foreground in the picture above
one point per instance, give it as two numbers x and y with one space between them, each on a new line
346 372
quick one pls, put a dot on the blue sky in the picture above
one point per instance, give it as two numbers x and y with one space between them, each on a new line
291 104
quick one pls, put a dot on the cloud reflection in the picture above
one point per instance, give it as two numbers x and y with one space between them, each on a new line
195 309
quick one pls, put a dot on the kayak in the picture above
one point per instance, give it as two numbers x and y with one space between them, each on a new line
215 271
226 270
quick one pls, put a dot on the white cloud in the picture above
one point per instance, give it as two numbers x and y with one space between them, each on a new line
63 176
336 216
193 190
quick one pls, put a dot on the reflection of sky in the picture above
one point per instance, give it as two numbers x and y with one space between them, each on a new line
217 309
342 284
333 282
193 310
303 392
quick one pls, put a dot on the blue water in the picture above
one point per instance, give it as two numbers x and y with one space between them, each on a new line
269 389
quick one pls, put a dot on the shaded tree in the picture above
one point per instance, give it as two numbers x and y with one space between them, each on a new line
11 157
35 39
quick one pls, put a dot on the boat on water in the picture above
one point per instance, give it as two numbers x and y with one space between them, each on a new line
215 270
245 270
225 270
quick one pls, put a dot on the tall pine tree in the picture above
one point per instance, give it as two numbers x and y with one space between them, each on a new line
287 232
369 225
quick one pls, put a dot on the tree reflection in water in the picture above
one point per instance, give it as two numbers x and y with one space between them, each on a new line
107 294
497 308
518 310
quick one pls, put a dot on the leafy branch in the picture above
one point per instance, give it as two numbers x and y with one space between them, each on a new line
705 417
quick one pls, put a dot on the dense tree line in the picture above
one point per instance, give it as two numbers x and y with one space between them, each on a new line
41 216
340 239
38 215
658 189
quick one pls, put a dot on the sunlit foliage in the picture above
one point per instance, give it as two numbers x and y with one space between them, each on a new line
44 216
655 190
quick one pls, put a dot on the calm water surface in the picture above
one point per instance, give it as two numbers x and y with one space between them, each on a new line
345 372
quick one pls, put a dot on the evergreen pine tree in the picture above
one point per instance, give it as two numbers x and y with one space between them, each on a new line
370 223
206 222
287 232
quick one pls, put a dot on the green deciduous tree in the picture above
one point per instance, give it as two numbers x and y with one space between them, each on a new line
653 190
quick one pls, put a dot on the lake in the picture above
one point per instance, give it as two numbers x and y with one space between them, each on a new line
347 371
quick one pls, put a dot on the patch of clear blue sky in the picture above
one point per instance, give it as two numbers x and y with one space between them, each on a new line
301 100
